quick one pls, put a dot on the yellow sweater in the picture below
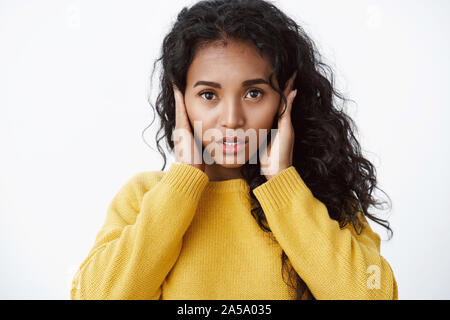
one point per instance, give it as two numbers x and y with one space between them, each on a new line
177 235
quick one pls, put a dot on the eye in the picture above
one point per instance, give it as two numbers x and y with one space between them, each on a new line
261 93
209 93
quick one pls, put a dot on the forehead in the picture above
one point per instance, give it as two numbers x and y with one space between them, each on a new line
234 61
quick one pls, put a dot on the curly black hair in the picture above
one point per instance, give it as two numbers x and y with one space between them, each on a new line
326 151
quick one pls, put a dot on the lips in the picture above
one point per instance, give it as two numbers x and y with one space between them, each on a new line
233 139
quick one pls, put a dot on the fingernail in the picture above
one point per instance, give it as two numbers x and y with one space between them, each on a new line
295 92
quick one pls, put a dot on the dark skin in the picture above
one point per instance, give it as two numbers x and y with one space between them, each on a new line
235 106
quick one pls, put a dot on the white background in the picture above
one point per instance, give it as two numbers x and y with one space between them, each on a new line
74 79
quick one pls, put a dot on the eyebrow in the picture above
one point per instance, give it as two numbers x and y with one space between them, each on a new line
244 83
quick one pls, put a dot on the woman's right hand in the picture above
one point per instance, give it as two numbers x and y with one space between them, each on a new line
186 150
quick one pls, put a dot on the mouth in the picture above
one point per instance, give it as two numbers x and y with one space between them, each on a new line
232 144
232 140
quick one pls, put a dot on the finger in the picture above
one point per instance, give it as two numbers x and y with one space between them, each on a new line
287 107
287 89
290 99
264 152
180 134
181 118
290 83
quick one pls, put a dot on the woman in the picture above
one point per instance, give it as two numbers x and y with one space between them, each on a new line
285 221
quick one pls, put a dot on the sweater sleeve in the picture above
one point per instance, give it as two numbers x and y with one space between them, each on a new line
335 263
141 238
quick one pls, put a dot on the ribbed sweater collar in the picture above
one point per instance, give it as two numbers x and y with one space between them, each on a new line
230 185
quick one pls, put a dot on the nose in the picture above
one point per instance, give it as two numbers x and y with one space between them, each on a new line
231 115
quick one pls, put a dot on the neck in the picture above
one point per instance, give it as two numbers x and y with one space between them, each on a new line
217 172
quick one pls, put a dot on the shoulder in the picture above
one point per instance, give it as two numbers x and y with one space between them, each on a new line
132 191
145 180
141 182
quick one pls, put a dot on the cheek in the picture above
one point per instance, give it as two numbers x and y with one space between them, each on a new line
262 118
261 126
190 110
200 115
261 121
196 112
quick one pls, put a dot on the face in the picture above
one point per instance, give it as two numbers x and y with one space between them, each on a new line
222 98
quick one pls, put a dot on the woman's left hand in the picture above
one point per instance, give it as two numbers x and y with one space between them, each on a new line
278 155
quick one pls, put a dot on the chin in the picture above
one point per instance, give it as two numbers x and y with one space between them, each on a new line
231 161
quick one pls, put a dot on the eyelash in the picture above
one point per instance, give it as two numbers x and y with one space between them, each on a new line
208 91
